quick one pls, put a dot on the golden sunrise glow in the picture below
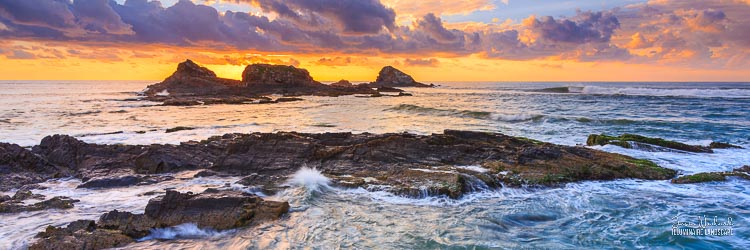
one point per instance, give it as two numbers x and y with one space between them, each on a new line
680 42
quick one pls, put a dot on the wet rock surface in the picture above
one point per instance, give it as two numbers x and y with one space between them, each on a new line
402 163
17 204
742 172
213 208
19 166
653 144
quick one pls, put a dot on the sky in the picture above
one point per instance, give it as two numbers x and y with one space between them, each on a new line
470 40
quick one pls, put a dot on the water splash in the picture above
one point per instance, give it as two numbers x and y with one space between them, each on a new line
309 178
184 231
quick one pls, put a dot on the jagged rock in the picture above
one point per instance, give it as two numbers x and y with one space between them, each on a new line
19 166
26 194
191 79
625 141
81 234
58 202
213 208
392 77
192 85
282 75
275 156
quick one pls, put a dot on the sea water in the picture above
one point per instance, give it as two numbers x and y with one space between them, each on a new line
610 214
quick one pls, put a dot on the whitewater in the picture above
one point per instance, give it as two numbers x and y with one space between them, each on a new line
608 214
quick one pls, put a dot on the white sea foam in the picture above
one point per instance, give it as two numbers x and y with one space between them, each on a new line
163 93
184 231
640 91
515 117
309 178
475 168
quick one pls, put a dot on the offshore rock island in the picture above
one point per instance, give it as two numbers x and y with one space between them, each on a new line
192 84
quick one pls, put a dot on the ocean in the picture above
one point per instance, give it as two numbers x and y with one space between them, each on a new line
592 214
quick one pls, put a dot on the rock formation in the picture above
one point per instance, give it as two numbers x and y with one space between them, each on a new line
192 84
406 163
277 75
216 209
392 77
19 166
742 172
653 144
191 79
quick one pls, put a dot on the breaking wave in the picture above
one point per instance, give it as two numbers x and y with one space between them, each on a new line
409 108
184 231
309 179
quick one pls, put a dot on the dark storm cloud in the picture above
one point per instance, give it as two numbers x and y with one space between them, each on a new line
98 15
356 16
586 27
42 13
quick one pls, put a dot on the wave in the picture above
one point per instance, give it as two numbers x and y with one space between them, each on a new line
309 178
465 113
646 91
677 92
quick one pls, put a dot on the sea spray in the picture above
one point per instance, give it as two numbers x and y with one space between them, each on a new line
184 231
309 178
304 185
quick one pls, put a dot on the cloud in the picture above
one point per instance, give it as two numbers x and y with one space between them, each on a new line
355 16
421 8
703 34
341 61
661 31
430 62
20 54
586 27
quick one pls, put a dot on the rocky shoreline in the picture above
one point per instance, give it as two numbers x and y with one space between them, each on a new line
192 84
439 164
450 164
213 208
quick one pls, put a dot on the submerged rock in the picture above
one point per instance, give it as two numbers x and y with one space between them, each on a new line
742 172
722 145
15 206
213 208
392 77
639 141
178 128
